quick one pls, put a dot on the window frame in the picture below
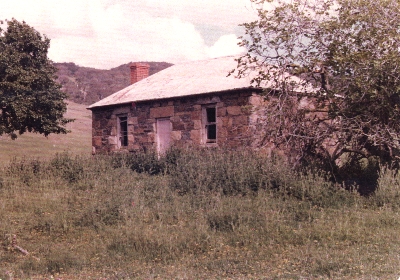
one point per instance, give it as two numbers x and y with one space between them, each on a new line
209 125
122 132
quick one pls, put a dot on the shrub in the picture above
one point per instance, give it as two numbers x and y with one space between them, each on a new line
388 190
140 162
25 169
68 168
225 171
245 172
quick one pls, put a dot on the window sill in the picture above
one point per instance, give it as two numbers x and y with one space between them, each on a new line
210 144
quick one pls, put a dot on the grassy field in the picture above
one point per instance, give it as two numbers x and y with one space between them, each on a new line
38 146
192 215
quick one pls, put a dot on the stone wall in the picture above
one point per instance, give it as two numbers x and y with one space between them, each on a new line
234 110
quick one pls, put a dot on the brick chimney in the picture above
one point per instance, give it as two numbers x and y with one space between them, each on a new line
139 71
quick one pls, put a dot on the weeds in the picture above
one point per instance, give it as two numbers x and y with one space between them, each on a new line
226 172
69 169
197 214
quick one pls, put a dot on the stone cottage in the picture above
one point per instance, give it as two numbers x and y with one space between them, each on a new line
193 103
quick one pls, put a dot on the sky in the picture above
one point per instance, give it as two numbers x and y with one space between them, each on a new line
107 33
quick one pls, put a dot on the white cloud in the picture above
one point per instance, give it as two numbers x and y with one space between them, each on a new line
224 13
120 41
107 33
226 45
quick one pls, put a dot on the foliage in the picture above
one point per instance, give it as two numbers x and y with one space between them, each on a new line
140 162
222 171
30 99
341 100
66 167
388 191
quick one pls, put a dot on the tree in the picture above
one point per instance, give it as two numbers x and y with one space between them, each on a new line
349 51
30 99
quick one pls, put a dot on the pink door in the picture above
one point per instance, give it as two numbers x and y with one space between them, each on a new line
163 135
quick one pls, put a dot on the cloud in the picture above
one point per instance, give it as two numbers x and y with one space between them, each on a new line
224 13
107 33
121 41
226 45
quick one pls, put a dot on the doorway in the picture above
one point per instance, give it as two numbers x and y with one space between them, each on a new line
164 128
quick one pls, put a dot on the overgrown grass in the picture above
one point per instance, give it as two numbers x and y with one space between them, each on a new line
192 215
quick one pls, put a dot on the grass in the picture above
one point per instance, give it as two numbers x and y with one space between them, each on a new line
38 146
183 217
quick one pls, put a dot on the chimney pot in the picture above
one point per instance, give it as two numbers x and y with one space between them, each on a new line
139 71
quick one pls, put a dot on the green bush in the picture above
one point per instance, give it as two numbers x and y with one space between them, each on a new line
388 190
68 168
224 171
26 170
140 162
245 172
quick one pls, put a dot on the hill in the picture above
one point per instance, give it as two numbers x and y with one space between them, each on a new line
37 146
86 85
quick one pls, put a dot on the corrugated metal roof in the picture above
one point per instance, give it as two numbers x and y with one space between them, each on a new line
184 79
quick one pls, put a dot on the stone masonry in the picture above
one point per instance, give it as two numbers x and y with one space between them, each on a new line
234 110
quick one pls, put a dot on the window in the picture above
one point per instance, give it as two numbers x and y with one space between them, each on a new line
122 131
210 123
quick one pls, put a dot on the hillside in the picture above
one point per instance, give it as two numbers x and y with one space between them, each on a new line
86 85
33 145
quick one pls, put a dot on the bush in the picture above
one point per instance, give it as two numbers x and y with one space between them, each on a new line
140 162
224 171
245 172
26 170
70 169
388 190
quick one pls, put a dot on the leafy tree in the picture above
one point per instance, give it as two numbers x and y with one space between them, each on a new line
30 99
349 51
